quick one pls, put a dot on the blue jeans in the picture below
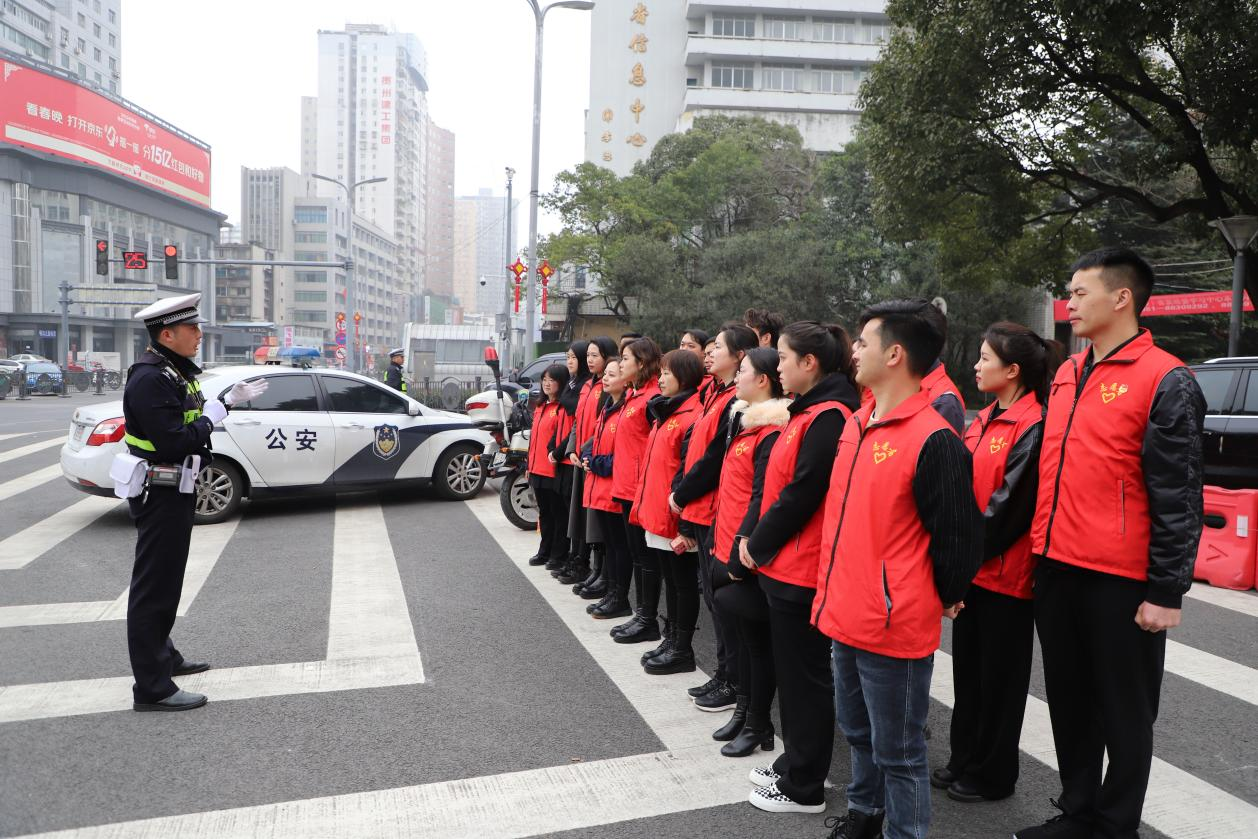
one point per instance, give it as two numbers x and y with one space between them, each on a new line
881 704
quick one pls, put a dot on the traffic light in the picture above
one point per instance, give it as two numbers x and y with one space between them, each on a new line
172 262
102 257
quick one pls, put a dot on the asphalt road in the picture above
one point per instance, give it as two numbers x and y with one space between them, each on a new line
386 665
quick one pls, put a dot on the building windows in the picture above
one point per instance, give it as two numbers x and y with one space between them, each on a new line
82 45
82 19
13 36
737 76
306 316
310 215
311 276
113 63
113 40
837 80
113 16
836 30
785 28
96 53
877 33
782 77
734 26
311 236
96 29
310 296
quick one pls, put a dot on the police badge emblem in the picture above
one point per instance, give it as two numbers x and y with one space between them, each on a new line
386 443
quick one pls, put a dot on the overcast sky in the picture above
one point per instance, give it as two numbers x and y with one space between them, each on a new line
232 73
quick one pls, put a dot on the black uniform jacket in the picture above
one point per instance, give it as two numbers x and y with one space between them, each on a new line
154 405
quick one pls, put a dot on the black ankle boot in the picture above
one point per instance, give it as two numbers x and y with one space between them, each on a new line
647 629
628 626
592 592
595 575
556 562
757 733
563 567
602 601
537 559
614 605
730 730
577 571
678 658
664 646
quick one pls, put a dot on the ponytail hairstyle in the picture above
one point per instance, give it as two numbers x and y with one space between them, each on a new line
828 343
647 353
1036 357
764 361
739 337
686 368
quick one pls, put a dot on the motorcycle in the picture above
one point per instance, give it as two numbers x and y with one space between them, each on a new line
506 455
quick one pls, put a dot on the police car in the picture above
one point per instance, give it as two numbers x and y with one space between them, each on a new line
313 430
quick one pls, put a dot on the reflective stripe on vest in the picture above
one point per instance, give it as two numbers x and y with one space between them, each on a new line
189 417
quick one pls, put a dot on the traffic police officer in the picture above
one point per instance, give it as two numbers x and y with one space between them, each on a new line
393 376
167 421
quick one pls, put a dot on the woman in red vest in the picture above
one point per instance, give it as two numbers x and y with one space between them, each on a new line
543 463
570 399
582 519
755 422
672 414
598 459
694 498
815 364
992 636
640 370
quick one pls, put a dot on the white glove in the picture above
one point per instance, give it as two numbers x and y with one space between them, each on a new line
245 391
215 410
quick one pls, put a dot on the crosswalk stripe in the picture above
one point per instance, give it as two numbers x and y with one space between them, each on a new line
24 547
29 481
33 448
1221 674
4 437
1245 602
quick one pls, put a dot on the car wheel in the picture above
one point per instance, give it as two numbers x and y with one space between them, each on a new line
113 380
219 489
43 384
82 381
5 384
519 504
459 474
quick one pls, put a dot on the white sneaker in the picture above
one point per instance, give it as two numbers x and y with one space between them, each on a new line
762 776
770 799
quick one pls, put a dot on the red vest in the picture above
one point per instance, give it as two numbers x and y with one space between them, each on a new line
936 383
738 471
659 467
876 583
989 441
702 510
796 562
1093 509
635 428
587 412
597 494
546 420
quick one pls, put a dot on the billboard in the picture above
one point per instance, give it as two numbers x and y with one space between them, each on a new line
1193 303
49 114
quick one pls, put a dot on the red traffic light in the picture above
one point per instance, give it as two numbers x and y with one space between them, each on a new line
172 261
171 250
102 257
102 246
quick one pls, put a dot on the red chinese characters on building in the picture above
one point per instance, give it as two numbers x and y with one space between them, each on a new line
386 110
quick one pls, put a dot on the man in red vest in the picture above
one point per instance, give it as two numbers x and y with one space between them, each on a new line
901 539
1116 527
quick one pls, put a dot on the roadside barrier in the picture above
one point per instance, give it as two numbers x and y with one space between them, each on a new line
1228 554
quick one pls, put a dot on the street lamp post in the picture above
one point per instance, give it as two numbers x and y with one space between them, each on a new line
506 300
539 16
1239 231
351 296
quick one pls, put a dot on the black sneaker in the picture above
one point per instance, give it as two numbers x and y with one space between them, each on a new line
706 687
1061 826
855 825
721 698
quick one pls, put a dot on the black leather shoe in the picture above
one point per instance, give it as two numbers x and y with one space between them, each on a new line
674 660
707 687
556 562
648 629
730 730
603 601
595 591
855 825
720 698
968 794
665 644
756 733
190 667
628 626
576 572
180 700
537 559
943 778
613 608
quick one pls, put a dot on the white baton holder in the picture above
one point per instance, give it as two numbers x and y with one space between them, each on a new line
128 473
188 477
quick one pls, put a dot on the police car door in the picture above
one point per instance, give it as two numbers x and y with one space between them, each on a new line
283 434
375 432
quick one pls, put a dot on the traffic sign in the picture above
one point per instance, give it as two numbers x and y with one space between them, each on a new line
340 353
135 260
340 339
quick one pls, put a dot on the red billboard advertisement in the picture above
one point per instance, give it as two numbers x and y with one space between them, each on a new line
1193 303
49 114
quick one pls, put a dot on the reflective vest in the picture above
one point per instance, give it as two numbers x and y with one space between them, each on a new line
191 414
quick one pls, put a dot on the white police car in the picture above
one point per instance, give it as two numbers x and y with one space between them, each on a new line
313 430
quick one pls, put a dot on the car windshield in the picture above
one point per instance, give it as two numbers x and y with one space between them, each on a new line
42 367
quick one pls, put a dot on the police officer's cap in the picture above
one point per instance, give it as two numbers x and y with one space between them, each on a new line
396 351
171 311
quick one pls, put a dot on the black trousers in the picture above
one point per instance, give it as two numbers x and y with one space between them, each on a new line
743 606
726 633
642 562
801 657
552 518
617 559
163 522
1103 676
992 641
681 587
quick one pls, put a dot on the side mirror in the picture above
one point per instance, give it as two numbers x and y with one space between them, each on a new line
412 409
524 380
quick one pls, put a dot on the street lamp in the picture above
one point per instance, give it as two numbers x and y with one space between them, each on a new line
1239 231
539 15
351 297
506 300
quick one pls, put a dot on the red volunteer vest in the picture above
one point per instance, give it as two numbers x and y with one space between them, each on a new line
587 412
796 562
738 474
659 467
635 428
989 441
936 383
1093 509
546 420
597 492
702 510
875 582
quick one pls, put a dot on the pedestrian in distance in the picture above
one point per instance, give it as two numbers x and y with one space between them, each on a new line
693 341
815 364
993 636
756 420
901 540
582 518
767 326
1116 528
169 423
543 466
599 466
575 565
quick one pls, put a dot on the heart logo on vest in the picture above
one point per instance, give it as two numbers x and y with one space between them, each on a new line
612 428
741 449
630 411
1112 392
672 425
997 444
882 451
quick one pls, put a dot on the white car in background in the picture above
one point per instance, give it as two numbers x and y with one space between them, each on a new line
312 431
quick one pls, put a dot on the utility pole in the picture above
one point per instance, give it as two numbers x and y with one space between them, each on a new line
506 299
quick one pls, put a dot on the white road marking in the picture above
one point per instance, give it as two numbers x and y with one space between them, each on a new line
208 542
11 436
1221 674
32 448
17 486
1245 602
26 546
